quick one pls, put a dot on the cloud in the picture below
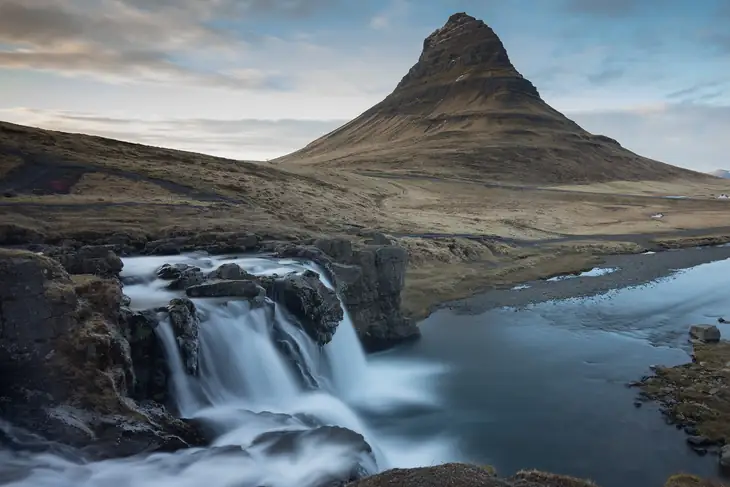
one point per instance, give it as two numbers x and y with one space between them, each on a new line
690 135
396 10
252 139
700 91
122 40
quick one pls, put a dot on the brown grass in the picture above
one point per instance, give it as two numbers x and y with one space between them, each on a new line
119 193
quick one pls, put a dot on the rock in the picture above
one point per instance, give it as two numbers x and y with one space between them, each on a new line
725 456
185 326
182 275
230 272
316 307
98 260
355 456
38 304
148 356
449 474
66 367
699 441
223 289
370 280
373 296
705 333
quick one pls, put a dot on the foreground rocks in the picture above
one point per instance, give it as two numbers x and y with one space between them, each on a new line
696 396
465 475
66 365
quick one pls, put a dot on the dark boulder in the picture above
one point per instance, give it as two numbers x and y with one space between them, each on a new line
224 289
98 260
186 327
182 275
230 272
148 356
705 333
315 307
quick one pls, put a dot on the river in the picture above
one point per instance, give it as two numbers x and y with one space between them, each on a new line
540 384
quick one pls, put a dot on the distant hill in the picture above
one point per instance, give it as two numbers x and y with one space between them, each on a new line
464 110
721 173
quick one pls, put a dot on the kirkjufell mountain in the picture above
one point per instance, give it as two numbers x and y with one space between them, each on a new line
463 110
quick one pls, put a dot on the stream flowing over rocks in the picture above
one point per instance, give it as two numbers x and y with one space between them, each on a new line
166 369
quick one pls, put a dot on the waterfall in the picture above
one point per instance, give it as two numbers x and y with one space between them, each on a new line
260 375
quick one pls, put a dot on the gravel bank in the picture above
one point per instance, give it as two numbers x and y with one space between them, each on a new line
631 270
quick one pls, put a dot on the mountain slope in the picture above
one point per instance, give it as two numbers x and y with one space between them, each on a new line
464 110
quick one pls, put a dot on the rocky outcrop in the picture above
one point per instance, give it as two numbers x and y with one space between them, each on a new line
148 356
66 365
98 260
224 288
182 275
314 306
230 272
695 396
370 279
186 328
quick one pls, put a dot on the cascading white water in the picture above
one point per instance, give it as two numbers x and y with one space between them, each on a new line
246 387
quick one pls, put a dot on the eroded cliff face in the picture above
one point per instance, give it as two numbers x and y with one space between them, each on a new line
370 279
66 365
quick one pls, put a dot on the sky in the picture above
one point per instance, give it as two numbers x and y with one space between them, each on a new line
256 79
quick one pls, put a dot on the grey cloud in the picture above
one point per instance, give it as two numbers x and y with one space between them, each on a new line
118 40
145 66
700 91
239 139
606 75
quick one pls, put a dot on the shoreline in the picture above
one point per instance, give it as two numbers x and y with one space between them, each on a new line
480 285
631 270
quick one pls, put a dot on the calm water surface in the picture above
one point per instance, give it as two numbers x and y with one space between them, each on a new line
544 386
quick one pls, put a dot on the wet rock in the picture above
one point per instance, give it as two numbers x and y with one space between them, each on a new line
725 456
705 333
316 307
699 441
186 327
373 297
98 260
148 356
181 275
354 453
370 280
230 272
223 288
